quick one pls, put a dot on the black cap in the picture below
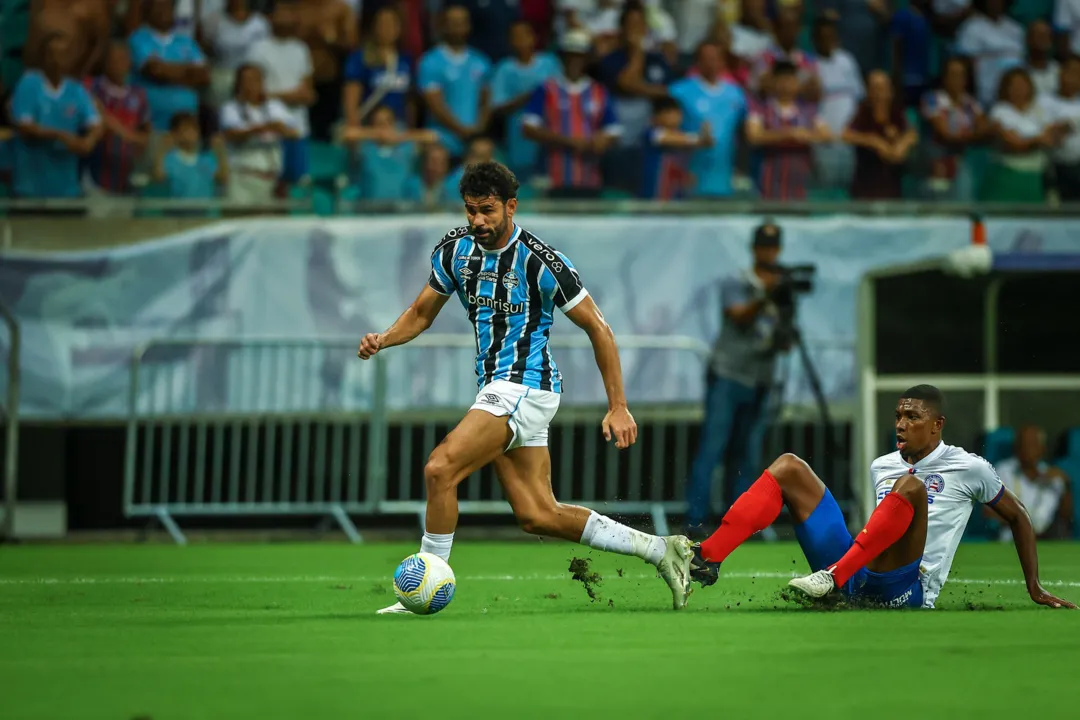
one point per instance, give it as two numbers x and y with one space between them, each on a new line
767 235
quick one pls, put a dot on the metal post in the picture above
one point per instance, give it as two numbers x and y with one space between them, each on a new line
863 447
11 461
991 394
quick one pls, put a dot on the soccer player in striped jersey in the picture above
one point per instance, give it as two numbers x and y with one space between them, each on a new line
926 490
510 282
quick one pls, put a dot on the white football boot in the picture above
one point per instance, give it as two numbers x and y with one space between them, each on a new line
674 567
395 609
815 585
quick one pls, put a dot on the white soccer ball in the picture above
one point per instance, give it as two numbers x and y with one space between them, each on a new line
424 583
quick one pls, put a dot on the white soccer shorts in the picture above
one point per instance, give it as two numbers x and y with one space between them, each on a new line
530 410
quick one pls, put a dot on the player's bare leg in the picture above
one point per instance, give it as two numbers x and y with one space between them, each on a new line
788 481
894 536
478 439
525 475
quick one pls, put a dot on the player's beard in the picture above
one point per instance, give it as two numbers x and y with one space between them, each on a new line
492 234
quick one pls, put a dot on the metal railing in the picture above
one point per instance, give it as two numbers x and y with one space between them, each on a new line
272 427
10 414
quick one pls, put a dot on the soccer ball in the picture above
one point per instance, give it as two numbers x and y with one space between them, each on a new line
424 583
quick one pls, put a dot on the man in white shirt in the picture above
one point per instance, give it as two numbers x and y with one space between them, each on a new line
1041 65
842 90
995 43
1042 488
901 558
287 76
1064 108
1067 24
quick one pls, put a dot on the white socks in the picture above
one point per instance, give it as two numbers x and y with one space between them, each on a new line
603 533
437 545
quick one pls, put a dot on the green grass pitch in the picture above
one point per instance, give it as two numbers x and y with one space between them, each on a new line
289 631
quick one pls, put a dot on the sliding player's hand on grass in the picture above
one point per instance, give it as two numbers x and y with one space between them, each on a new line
1041 597
368 346
619 424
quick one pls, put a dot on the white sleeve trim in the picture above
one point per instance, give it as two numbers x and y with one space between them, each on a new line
575 301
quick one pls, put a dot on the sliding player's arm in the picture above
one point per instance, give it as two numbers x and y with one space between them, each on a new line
425 308
618 422
1012 511
415 320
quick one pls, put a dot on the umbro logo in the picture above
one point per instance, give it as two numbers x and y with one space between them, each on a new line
465 272
491 399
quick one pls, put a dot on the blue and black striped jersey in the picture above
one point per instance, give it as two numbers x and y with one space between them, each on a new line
510 295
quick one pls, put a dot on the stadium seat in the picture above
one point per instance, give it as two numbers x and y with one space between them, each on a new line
1071 467
1071 443
328 162
997 445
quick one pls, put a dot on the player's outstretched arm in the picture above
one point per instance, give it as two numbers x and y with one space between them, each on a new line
415 320
618 422
1012 511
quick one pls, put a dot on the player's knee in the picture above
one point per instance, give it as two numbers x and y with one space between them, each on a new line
911 489
537 520
439 472
789 469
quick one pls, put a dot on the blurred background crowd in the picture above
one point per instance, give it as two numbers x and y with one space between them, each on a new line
663 99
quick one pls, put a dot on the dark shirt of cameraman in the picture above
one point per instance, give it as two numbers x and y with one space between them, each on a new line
741 371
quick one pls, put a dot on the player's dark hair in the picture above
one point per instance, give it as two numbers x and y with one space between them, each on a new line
665 103
180 119
934 398
488 179
784 67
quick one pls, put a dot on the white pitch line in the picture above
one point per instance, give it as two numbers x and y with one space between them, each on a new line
300 579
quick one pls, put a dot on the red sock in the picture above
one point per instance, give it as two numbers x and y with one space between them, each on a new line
755 510
887 524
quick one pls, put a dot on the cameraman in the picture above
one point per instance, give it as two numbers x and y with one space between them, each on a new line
740 375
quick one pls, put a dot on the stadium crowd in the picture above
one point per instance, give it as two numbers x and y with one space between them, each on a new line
777 99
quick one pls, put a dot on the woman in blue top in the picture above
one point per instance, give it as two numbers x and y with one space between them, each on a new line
377 74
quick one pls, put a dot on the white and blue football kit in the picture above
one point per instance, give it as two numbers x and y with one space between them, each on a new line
510 295
956 481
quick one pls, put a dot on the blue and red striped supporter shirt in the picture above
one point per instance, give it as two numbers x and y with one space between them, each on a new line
579 109
114 158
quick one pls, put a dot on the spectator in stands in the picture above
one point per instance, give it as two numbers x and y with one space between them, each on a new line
752 36
1064 107
57 123
1023 130
170 66
994 42
188 172
331 32
453 78
255 126
388 155
708 99
736 69
842 91
377 74
1041 65
786 48
184 20
435 187
666 174
480 149
85 23
230 36
573 117
785 130
956 121
126 117
1066 21
634 76
912 50
491 23
514 81
288 76
695 19
864 29
1042 488
882 138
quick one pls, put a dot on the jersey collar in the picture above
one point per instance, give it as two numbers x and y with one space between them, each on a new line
937 452
513 239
